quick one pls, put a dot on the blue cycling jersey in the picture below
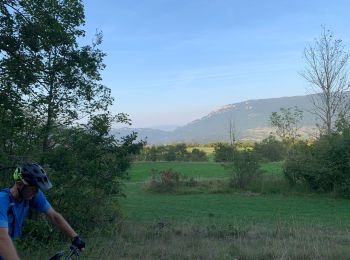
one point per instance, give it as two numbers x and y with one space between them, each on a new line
13 212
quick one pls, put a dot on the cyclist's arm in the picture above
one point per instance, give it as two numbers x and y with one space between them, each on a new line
58 220
7 248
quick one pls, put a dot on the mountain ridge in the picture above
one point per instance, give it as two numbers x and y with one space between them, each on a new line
250 118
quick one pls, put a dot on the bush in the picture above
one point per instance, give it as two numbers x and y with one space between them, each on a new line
168 181
324 166
300 165
223 153
244 169
86 167
271 150
198 156
177 152
152 154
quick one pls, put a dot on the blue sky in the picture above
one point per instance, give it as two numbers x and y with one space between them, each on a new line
173 61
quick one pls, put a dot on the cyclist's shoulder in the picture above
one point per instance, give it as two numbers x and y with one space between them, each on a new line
4 198
39 197
5 193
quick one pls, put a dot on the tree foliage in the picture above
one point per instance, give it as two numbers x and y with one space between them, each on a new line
57 79
223 152
48 83
270 149
244 169
287 123
176 152
324 165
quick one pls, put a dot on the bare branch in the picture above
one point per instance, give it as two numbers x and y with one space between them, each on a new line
326 71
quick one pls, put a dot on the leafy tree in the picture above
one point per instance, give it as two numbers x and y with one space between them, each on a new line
181 152
170 154
326 71
151 154
87 166
47 82
176 152
42 60
287 123
198 156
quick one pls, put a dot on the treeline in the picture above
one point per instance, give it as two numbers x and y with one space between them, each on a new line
176 152
321 165
55 111
188 152
270 149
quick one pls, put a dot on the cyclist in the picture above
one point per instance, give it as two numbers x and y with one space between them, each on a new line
30 180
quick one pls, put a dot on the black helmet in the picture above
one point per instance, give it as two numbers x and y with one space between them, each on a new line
32 174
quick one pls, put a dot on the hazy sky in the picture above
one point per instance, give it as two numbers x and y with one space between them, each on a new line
173 61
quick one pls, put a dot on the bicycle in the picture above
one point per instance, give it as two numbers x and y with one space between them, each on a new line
74 251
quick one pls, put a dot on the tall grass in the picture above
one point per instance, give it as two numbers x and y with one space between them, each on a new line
171 240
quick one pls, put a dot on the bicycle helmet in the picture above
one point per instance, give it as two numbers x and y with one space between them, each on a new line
32 174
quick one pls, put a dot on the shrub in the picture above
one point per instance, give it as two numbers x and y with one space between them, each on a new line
223 153
198 156
86 167
168 181
271 150
177 152
300 165
244 169
324 166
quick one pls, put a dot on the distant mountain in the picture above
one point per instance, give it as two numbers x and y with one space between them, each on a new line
164 127
250 118
153 136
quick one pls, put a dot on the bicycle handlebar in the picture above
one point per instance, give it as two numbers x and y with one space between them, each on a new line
74 251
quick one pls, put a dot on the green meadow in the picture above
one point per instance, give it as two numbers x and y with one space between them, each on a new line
237 225
221 225
141 171
221 208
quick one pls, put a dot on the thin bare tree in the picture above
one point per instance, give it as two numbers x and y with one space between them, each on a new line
232 132
233 135
326 71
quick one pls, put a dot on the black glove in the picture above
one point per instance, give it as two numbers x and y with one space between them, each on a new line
76 241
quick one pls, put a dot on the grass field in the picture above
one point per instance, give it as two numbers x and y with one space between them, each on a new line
230 226
241 225
139 172
140 205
